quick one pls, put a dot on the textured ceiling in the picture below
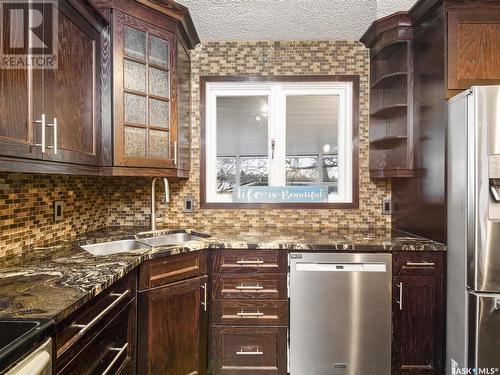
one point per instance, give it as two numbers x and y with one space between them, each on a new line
243 20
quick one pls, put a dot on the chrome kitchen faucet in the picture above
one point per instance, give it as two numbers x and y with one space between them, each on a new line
153 199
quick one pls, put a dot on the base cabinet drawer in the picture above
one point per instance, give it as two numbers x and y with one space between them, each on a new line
237 312
264 287
249 350
418 263
250 261
111 352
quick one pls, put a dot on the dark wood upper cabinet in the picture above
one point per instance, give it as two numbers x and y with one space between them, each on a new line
119 101
144 122
408 67
33 98
473 48
72 92
390 40
151 73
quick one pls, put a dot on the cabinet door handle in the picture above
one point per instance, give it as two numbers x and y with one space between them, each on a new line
400 296
118 355
85 327
250 262
54 126
175 152
249 287
242 352
43 124
204 303
420 264
250 314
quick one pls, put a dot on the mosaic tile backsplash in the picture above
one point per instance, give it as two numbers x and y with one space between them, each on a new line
26 201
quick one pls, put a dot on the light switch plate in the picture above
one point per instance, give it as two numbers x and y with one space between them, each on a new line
188 204
386 206
58 210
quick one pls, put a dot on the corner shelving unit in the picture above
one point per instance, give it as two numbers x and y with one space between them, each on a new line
390 41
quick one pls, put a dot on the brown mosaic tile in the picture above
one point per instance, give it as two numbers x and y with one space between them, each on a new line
91 202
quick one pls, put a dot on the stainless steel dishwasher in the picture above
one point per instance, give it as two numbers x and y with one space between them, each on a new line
340 314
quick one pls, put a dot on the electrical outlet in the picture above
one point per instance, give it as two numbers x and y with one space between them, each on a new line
58 210
386 206
188 204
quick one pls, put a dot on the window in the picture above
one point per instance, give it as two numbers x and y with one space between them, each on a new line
279 134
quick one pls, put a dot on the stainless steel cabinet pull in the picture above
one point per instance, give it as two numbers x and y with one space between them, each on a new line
242 352
86 327
250 262
273 147
249 287
42 123
244 314
54 126
420 264
400 296
120 352
175 152
204 303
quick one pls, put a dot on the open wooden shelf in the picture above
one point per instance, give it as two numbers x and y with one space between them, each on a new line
389 111
388 50
388 142
390 40
388 80
390 173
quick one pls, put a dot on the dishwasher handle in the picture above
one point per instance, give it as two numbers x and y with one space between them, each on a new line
342 267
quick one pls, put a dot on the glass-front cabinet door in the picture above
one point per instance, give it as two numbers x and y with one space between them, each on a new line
144 99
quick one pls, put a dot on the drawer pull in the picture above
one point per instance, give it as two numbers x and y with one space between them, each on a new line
420 264
249 314
249 287
86 327
250 262
118 355
242 352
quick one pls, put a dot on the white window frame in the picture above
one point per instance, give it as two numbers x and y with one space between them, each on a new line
277 93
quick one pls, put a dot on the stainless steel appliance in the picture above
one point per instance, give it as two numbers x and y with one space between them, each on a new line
26 347
473 302
38 362
340 314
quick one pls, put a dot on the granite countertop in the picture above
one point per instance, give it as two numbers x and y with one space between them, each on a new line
54 281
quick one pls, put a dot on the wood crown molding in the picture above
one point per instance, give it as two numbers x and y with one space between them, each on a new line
178 12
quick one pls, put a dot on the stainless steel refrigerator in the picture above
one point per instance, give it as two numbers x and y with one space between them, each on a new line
473 181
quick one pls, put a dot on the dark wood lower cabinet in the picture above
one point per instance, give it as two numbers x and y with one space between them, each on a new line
249 350
100 337
111 351
418 322
173 328
248 332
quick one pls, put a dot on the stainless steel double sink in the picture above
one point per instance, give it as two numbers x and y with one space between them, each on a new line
140 245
